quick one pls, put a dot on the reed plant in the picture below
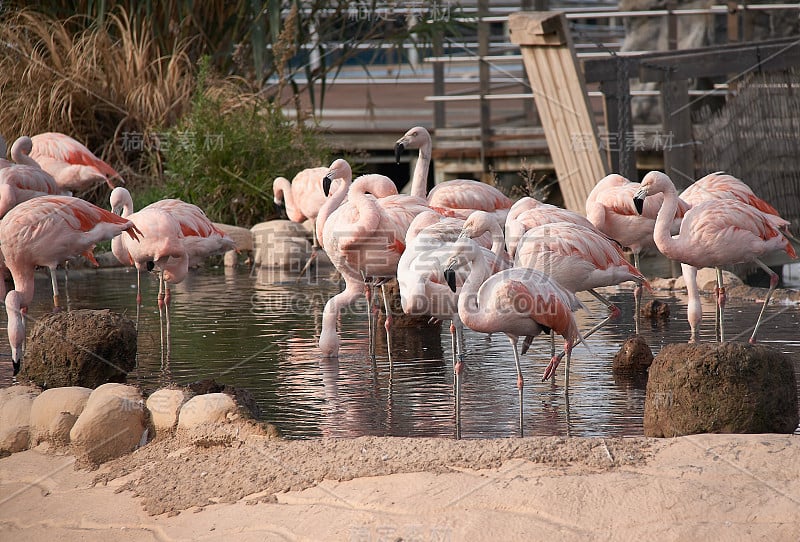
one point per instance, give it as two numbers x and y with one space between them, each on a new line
95 84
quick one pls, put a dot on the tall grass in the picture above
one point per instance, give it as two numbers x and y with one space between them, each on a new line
94 84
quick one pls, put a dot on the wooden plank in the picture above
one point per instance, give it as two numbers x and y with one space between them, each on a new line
537 26
563 106
679 150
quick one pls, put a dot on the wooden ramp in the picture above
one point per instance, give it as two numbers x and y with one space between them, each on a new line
561 100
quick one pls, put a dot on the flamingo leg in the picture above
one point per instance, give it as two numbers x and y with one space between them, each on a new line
138 288
637 295
370 322
721 304
161 319
520 382
458 367
773 283
54 282
311 257
388 324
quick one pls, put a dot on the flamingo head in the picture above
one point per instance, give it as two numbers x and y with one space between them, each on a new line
415 138
655 182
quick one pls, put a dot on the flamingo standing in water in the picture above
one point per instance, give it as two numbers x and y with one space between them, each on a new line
174 224
48 230
715 186
578 258
519 302
364 238
528 212
74 167
458 197
715 233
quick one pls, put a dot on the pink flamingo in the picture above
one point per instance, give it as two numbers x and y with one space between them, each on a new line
16 328
303 197
529 213
578 258
179 236
715 186
610 208
712 234
74 167
458 197
364 238
48 230
517 301
24 179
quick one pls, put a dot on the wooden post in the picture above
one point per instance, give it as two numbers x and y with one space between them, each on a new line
677 137
484 83
562 102
733 21
439 118
619 123
672 26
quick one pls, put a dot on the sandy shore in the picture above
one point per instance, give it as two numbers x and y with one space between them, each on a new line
702 487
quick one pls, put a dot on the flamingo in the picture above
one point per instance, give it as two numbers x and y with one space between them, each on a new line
16 328
528 212
578 258
458 197
48 230
74 167
364 240
23 180
517 302
712 234
175 224
714 186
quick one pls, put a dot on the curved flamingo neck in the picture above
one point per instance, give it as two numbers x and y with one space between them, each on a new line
20 151
419 181
332 202
468 310
666 215
282 190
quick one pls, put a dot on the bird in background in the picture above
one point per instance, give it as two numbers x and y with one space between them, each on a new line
458 197
528 212
74 167
716 186
23 179
518 302
714 233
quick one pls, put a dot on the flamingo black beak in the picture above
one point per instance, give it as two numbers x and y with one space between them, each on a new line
638 200
280 207
151 265
17 365
398 151
327 180
450 277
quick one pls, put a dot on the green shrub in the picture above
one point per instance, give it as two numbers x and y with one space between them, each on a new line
224 154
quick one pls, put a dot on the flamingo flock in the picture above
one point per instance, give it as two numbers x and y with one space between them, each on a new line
43 225
462 252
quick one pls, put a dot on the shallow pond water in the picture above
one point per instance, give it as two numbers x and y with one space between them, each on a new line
259 331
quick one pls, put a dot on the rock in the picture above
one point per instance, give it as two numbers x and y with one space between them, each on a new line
720 388
80 348
243 397
164 406
633 356
113 423
281 243
55 411
207 409
662 283
15 415
707 280
654 310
